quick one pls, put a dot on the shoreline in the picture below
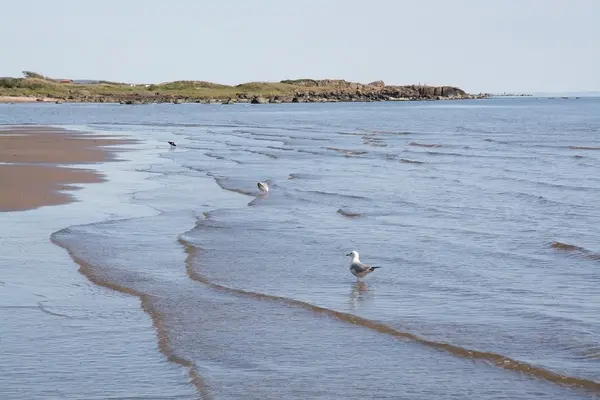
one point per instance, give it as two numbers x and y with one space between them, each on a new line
21 90
58 326
39 166
174 99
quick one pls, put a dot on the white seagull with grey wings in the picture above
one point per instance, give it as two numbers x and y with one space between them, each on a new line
358 269
263 187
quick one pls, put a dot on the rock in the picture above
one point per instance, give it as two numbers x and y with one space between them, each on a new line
378 84
259 100
177 101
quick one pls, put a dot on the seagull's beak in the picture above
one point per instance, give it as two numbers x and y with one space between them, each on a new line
349 254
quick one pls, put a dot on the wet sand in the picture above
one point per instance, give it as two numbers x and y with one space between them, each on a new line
61 336
33 171
25 99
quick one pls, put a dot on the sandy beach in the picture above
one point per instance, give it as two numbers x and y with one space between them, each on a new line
25 99
61 336
32 164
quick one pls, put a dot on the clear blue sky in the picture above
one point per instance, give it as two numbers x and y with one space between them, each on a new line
478 45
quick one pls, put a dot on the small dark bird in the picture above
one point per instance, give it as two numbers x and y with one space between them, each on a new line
172 144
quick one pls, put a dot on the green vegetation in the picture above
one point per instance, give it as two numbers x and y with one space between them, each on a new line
34 84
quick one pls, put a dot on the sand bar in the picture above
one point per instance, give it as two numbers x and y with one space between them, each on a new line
33 164
25 99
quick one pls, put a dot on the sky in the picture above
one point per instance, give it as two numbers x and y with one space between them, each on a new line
477 45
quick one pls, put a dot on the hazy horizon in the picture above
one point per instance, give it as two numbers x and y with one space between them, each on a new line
535 46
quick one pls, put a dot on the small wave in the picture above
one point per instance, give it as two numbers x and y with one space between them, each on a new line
309 152
373 141
348 214
314 139
222 158
255 201
268 139
191 168
566 246
222 182
87 269
424 144
383 132
280 148
261 153
214 156
536 197
576 249
584 148
302 176
496 141
198 147
267 135
347 196
45 310
350 133
506 177
404 160
587 352
496 359
454 154
347 153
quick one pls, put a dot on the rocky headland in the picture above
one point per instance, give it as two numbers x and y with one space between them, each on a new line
288 91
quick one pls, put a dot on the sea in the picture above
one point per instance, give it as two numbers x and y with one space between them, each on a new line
179 279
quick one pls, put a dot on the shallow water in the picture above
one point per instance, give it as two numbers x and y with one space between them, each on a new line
459 203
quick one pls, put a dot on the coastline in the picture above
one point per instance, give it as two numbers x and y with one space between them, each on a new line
13 90
59 327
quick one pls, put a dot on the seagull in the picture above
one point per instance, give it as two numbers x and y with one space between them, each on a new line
358 269
263 187
172 144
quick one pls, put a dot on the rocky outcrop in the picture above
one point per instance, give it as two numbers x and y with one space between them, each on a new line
259 100
291 91
377 84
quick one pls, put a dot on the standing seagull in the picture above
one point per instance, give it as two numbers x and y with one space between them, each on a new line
172 144
358 269
263 187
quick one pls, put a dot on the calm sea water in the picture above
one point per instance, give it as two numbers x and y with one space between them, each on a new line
459 203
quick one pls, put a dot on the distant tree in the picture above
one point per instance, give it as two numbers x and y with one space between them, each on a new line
31 74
